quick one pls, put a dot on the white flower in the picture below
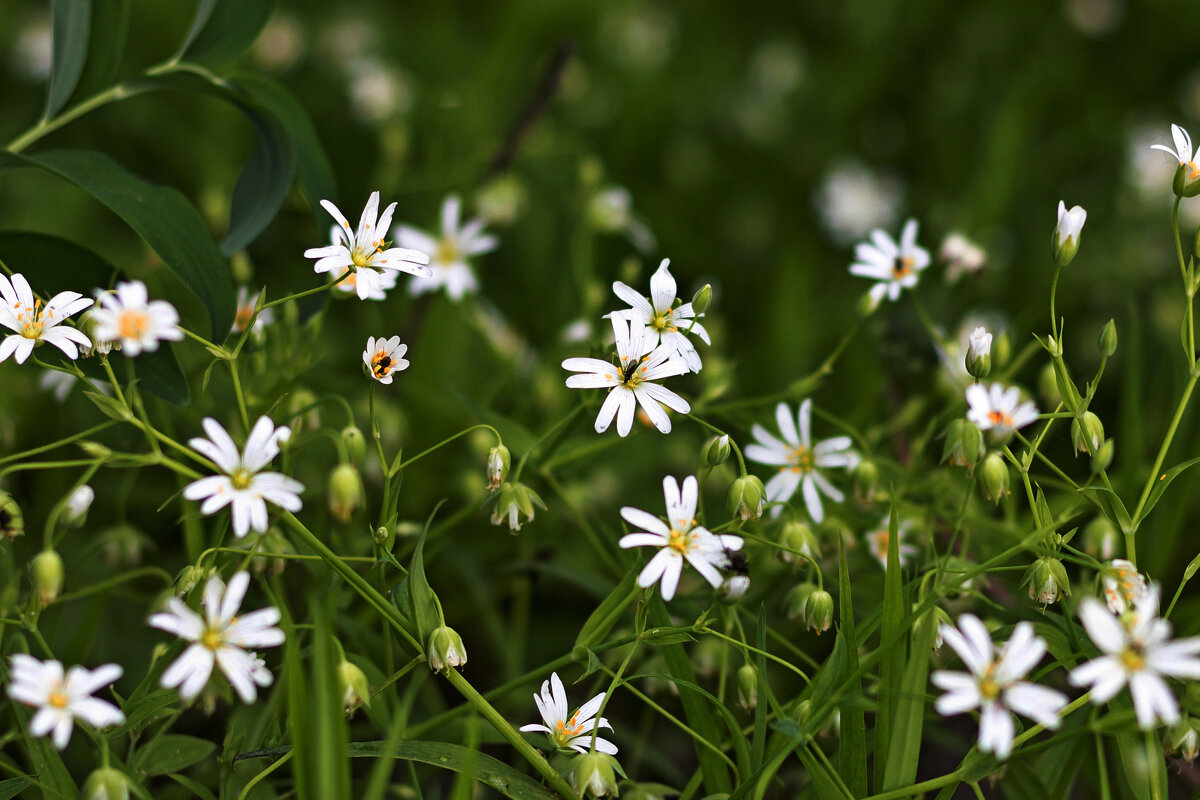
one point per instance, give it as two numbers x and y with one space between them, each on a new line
895 267
1139 653
132 319
384 356
611 210
61 699
1070 224
664 325
449 252
246 303
244 485
1182 151
962 256
369 284
852 200
999 409
979 345
994 684
366 250
1124 586
633 381
574 731
220 637
879 539
800 461
20 311
679 538
78 503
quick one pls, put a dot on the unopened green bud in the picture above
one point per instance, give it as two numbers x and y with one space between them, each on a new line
356 443
106 784
1064 244
702 298
1107 344
383 535
746 498
1183 740
1047 579
94 449
818 611
993 477
47 572
1100 538
868 304
866 477
1102 460
979 353
304 411
499 461
795 600
1187 180
964 443
594 774
345 492
74 513
716 451
1087 433
1047 383
800 542
747 686
355 690
191 577
445 649
12 521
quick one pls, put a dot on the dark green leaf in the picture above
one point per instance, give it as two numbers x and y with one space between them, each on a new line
170 752
159 374
852 755
262 185
824 781
110 406
72 22
53 265
425 604
1161 484
904 747
106 46
193 786
891 665
223 29
144 711
12 787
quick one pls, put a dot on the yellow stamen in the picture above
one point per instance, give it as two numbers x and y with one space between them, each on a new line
241 478
133 324
57 699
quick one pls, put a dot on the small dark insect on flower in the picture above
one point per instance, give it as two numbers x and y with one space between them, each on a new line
628 371
738 563
382 366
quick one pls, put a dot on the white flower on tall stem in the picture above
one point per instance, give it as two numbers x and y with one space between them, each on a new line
244 485
1138 651
220 637
999 409
1182 150
664 324
384 357
569 731
449 251
369 284
678 539
896 267
61 699
800 461
32 322
129 317
366 250
632 381
994 684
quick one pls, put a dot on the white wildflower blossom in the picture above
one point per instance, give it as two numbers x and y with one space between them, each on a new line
449 251
61 698
664 324
34 323
384 357
130 318
569 731
998 408
896 267
1123 585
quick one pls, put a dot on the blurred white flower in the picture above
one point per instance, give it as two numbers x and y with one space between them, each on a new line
1095 17
384 357
449 251
1123 585
853 200
611 210
221 637
20 311
366 249
33 52
999 409
245 310
281 44
378 91
569 731
128 317
664 324
879 539
962 256
678 539
1182 151
895 266
76 508
61 699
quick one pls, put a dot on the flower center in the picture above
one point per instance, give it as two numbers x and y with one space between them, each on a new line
802 459
565 731
1195 170
1132 660
632 374
1000 418
381 364
447 252
133 324
664 321
241 478
212 639
902 267
32 322
242 318
679 541
57 699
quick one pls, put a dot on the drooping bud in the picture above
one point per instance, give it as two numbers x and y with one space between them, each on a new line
747 686
1107 344
702 298
46 571
106 783
445 649
355 442
513 501
499 461
1047 579
1047 383
964 443
345 492
190 577
74 513
800 542
1100 538
1087 433
1183 740
716 451
355 689
993 477
1064 244
868 304
979 353
1103 456
818 611
795 600
733 589
12 521
594 774
746 498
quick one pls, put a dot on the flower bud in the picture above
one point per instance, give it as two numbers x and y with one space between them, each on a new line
1123 585
511 502
12 521
979 353
868 304
355 442
445 649
746 498
747 686
1186 182
1047 383
106 783
866 477
1064 244
733 589
795 599
702 298
594 774
46 570
1107 344
1087 432
345 492
610 209
1183 740
798 538
355 690
1104 456
123 545
818 611
1047 579
993 477
964 444
499 461
75 510
191 577
1100 538
716 451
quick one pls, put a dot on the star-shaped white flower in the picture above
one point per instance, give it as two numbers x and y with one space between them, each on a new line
632 381
1182 150
994 684
1138 651
368 284
383 357
366 250
572 731
221 637
664 324
896 267
32 322
130 318
61 699
449 251
800 461
999 409
244 485
678 539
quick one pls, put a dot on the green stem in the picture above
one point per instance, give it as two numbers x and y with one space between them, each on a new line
237 392
61 442
918 788
550 432
737 451
1053 297
1162 451
450 439
112 379
116 580
118 92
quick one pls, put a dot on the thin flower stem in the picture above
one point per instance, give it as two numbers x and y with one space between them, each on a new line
60 443
46 126
612 687
202 340
450 439
1053 296
550 432
1162 451
237 392
737 451
750 648
116 580
592 535
918 788
274 765
112 379
56 512
323 287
